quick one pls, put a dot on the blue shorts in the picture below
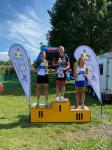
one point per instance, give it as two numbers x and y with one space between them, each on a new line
80 84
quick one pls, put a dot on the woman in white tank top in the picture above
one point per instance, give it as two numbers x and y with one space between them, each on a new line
80 72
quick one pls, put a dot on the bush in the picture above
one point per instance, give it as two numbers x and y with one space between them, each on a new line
7 70
2 70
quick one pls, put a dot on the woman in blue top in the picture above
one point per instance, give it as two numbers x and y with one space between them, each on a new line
42 77
80 72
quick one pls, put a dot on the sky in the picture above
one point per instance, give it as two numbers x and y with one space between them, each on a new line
25 22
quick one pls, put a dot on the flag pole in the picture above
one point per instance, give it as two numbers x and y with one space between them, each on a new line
29 110
101 109
29 98
101 100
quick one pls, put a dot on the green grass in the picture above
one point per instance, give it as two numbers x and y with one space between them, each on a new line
16 132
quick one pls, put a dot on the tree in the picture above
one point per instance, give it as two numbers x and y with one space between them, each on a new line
80 22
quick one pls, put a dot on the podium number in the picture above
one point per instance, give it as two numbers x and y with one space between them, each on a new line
59 108
79 116
40 114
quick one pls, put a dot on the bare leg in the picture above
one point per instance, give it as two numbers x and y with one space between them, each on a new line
82 98
46 91
57 88
78 98
38 88
62 88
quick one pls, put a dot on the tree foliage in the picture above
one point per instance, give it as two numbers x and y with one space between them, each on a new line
78 22
6 68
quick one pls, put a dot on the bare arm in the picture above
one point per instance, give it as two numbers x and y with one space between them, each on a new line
35 66
86 74
54 63
68 65
75 70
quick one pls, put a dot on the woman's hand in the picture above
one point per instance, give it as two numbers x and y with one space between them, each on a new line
59 62
54 63
64 69
85 75
34 69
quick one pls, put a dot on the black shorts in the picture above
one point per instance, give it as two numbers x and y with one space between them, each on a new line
64 78
61 79
42 79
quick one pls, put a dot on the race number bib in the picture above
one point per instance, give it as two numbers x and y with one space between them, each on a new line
60 72
41 72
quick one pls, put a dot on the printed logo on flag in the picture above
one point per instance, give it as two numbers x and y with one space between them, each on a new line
21 64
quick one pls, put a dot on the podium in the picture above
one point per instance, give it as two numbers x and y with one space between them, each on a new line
59 112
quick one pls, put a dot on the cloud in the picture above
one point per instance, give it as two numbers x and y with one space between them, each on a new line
26 29
4 56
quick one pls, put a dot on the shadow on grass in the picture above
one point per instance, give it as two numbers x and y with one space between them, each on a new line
9 125
24 122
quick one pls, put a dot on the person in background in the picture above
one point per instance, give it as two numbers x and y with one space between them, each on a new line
62 64
41 67
81 73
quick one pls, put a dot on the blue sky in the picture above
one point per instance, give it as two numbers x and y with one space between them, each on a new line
25 22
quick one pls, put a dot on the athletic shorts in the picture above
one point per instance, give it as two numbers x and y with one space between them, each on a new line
42 79
80 84
61 79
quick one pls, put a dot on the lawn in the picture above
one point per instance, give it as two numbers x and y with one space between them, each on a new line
17 133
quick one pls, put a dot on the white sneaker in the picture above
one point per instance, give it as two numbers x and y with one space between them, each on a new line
83 106
57 99
62 98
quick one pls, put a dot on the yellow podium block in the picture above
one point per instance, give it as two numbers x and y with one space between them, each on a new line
59 112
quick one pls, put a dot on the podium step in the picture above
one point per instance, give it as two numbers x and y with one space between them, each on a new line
40 106
60 111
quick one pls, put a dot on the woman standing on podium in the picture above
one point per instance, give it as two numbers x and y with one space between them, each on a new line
41 68
80 72
62 64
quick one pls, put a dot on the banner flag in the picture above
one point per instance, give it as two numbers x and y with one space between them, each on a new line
91 62
21 65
